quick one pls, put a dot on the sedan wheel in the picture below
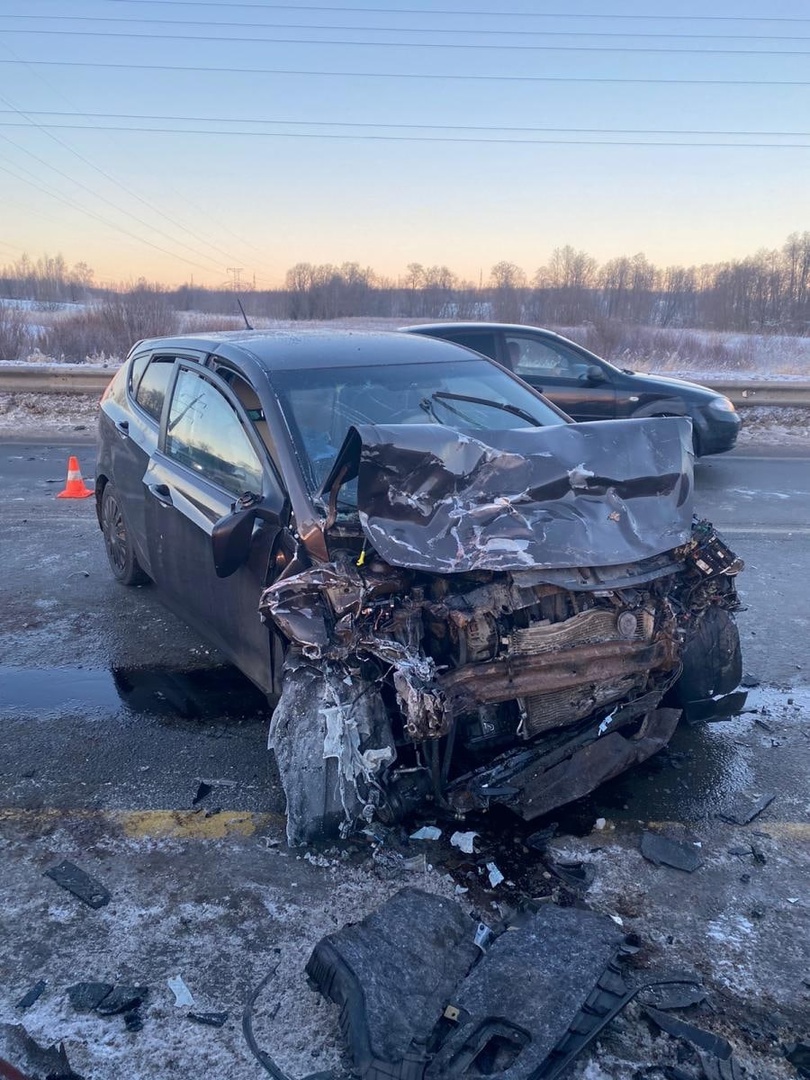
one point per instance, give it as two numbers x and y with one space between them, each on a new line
123 561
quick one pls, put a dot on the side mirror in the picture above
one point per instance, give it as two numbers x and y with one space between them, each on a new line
593 375
231 535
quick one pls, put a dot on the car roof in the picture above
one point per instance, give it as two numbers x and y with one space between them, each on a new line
280 350
492 327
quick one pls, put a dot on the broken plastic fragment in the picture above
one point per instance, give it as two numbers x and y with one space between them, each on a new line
76 881
209 1019
495 876
660 849
182 994
34 994
745 808
464 841
427 832
605 724
483 936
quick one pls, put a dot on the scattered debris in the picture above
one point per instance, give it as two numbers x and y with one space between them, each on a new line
87 996
495 876
576 875
32 1060
745 808
676 995
203 791
659 849
599 824
76 881
133 1021
122 999
427 832
34 994
749 681
712 1044
464 841
425 991
263 1058
540 840
798 1054
712 709
105 998
209 1019
182 994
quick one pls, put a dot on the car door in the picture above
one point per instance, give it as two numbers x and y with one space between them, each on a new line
207 457
134 437
566 376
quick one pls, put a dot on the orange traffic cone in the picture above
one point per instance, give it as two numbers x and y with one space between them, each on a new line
75 487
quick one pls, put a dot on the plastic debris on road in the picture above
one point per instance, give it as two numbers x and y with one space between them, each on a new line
182 994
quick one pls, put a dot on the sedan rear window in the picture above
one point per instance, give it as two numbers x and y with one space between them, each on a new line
322 404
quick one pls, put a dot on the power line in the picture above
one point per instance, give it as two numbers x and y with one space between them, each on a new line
443 140
207 244
406 127
161 232
444 77
486 14
725 36
416 44
34 180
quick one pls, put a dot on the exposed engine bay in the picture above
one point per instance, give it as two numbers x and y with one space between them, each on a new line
511 623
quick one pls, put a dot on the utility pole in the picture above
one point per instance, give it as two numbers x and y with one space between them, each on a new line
237 276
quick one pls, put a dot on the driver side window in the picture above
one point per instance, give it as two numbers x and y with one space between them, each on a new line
205 434
531 356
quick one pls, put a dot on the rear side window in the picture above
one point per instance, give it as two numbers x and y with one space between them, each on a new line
482 343
530 356
136 370
205 434
151 390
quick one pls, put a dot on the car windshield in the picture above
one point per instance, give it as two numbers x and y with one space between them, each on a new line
321 404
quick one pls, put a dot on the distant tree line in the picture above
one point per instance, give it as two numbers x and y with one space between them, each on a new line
767 291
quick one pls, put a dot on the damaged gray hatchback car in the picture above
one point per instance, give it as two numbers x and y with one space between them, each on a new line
448 590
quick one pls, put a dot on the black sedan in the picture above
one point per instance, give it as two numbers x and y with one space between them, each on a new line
447 589
588 387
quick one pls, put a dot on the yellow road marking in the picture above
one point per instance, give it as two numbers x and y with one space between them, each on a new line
154 824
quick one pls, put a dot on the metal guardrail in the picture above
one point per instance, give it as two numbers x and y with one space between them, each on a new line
82 379
54 378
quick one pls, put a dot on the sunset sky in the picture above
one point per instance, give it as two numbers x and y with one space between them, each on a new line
175 139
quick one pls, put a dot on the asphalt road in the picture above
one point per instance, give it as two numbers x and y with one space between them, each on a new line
113 712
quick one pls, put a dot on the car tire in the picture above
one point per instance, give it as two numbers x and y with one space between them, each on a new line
118 545
712 659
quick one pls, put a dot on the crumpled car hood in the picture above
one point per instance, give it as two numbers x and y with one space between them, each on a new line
596 494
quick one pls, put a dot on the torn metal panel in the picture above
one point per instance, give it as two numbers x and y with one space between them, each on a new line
332 739
531 782
431 498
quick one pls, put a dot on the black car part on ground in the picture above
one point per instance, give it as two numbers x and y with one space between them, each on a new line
500 620
419 998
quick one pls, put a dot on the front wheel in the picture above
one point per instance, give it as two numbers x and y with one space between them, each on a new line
120 552
712 659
